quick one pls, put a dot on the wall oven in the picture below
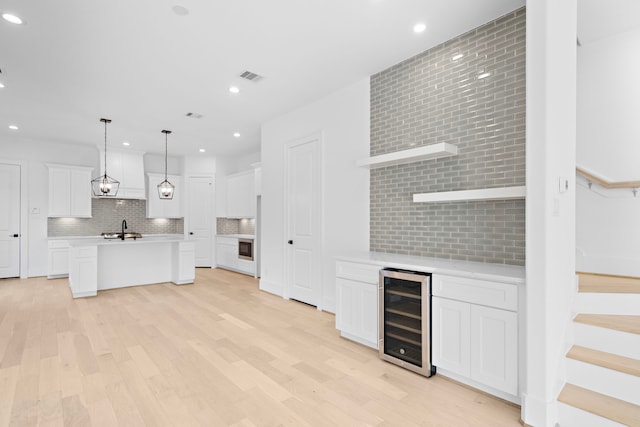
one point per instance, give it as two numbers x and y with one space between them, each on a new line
405 319
245 249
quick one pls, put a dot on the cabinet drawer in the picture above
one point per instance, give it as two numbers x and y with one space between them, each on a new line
367 273
492 294
85 251
58 244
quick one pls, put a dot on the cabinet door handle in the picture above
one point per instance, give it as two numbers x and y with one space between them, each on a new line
290 242
14 235
191 233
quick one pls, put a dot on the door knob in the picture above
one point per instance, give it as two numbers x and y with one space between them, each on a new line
290 242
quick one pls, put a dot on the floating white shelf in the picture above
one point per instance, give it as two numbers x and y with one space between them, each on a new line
503 193
434 151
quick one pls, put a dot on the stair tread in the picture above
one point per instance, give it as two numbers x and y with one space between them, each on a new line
608 283
606 360
620 322
600 404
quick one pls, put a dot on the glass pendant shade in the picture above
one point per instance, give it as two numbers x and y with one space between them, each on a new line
165 188
104 185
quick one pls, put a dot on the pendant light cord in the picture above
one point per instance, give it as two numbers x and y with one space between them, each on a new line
105 148
165 155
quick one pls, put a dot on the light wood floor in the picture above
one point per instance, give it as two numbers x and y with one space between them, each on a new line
216 353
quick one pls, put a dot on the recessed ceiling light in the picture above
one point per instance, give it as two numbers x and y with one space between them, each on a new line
13 127
234 89
9 17
126 144
419 28
236 134
180 10
457 56
202 150
483 75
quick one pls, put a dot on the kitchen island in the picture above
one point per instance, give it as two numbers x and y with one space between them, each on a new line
100 264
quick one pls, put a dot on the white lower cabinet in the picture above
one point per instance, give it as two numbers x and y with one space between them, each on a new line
357 302
472 340
494 348
58 259
451 335
357 311
227 256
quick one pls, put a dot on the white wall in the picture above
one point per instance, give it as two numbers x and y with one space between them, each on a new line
551 144
607 232
343 119
608 106
36 154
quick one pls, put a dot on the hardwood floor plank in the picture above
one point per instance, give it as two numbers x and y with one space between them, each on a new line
8 382
216 353
74 412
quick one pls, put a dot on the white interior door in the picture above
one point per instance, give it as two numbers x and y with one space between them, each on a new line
200 217
10 221
303 220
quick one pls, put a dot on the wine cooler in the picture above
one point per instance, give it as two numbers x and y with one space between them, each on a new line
405 319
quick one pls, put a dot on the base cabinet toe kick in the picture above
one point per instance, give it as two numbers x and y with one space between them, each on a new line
99 265
477 333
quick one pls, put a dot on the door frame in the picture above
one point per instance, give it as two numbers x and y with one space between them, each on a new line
319 137
24 216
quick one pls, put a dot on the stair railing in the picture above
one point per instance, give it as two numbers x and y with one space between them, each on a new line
592 178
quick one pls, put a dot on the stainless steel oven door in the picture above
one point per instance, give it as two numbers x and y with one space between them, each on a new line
245 249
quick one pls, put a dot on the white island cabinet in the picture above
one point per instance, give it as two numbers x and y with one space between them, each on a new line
100 264
476 327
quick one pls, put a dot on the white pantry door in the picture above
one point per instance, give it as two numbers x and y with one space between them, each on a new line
303 220
10 221
200 217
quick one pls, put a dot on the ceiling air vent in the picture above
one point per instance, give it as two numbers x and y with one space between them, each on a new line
252 77
194 115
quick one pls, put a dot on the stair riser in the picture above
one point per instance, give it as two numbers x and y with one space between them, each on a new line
609 340
606 381
568 416
607 303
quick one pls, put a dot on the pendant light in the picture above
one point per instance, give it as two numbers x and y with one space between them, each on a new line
165 188
104 185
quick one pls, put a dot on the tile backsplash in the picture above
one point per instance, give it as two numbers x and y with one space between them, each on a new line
107 216
470 92
235 226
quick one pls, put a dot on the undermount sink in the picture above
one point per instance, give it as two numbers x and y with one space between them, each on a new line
133 236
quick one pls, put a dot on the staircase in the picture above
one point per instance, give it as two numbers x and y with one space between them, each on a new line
603 366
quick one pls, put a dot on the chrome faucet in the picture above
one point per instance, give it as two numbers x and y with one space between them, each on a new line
124 227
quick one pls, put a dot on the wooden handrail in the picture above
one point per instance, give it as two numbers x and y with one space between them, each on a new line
606 184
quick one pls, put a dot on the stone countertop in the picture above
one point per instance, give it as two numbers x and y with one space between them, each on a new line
145 239
144 236
237 236
475 270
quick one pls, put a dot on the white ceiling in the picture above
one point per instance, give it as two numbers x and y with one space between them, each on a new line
144 66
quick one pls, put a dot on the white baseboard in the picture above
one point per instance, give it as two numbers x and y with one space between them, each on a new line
271 287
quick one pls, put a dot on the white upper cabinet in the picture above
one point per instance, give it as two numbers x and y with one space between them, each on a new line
128 168
69 191
164 208
241 201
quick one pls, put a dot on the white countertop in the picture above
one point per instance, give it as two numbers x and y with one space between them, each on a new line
237 236
145 239
477 270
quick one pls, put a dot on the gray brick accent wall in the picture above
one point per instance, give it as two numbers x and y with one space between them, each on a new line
107 216
434 98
